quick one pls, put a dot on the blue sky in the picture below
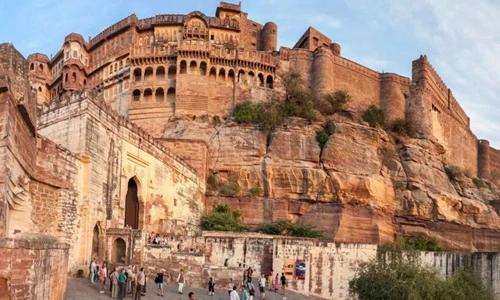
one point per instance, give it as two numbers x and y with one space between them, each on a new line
460 37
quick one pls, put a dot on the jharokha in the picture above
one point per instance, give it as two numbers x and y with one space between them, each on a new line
114 137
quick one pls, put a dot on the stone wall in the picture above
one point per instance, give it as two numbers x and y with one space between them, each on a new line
193 152
33 268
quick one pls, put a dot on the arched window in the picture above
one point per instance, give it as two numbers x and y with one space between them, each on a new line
32 66
121 64
136 95
110 69
171 95
213 74
269 81
119 251
251 78
203 68
40 89
73 77
230 75
192 67
183 67
172 71
148 95
40 67
241 76
261 80
160 72
85 82
159 95
138 74
222 74
148 74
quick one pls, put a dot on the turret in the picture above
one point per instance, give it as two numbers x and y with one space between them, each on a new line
335 49
75 61
269 37
39 76
322 79
483 159
392 98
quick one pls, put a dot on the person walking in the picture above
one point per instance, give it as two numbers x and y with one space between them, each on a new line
102 278
283 283
233 295
141 280
211 285
262 286
181 280
93 270
270 281
230 286
159 282
276 283
244 295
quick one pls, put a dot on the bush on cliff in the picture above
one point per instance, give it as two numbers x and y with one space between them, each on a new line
222 218
373 116
403 127
246 112
286 227
453 172
334 102
322 137
402 279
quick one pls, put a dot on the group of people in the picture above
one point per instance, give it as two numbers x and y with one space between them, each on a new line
122 281
247 288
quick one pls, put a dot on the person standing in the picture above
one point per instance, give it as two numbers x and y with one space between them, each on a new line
102 278
211 285
159 282
122 288
244 293
262 286
283 283
114 284
181 280
141 280
92 270
270 281
233 295
276 283
230 286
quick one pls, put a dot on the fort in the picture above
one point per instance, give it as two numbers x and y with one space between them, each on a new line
87 169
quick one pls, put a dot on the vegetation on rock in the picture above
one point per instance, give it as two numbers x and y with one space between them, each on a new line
373 116
286 227
222 218
403 127
334 102
479 183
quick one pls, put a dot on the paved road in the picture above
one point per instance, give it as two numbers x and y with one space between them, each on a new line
82 289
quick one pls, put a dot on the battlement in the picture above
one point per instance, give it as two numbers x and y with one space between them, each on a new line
392 77
39 57
118 26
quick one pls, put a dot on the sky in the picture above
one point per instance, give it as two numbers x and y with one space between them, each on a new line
461 38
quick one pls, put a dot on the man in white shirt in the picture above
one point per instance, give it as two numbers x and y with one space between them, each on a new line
234 294
141 281
262 286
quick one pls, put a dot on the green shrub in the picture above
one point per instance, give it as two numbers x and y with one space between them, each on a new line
213 183
405 279
403 127
246 112
398 185
419 244
222 218
322 137
373 116
292 229
230 190
334 102
255 191
453 172
479 183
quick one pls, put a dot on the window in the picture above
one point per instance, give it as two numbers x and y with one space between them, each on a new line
75 54
212 37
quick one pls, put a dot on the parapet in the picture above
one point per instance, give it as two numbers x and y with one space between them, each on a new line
335 49
38 57
75 37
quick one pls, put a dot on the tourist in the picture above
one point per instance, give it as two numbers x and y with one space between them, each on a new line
262 286
251 294
141 281
93 270
102 278
283 283
230 286
105 263
211 285
233 295
114 283
181 280
249 274
129 273
96 274
276 283
159 282
191 296
270 281
244 293
143 291
122 288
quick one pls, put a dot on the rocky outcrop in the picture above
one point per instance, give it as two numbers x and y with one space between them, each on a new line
364 186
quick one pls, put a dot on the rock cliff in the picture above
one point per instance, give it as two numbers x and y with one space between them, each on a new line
364 186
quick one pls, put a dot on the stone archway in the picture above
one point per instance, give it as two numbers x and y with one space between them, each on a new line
132 205
119 251
95 242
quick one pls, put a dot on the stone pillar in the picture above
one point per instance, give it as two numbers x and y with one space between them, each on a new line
322 79
483 159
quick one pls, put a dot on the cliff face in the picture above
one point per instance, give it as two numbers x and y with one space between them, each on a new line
363 186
